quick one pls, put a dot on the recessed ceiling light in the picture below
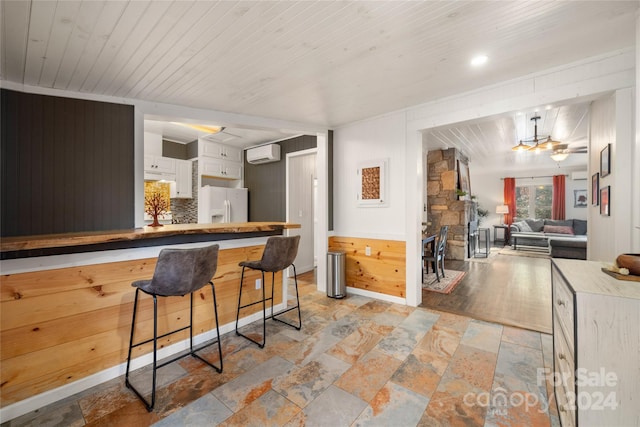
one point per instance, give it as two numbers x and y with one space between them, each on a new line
479 60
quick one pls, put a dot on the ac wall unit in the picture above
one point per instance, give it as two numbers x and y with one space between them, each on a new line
578 175
263 154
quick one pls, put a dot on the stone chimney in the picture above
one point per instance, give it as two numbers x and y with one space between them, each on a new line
443 204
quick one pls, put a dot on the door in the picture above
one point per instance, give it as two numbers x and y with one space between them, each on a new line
301 175
237 200
212 204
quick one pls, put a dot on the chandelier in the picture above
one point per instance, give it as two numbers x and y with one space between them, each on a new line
538 142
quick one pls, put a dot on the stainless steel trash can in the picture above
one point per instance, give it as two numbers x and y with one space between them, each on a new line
336 274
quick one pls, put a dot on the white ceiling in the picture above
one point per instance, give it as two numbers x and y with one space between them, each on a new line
489 141
240 137
315 62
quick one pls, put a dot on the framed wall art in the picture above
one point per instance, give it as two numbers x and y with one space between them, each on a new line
605 161
595 189
605 201
579 198
463 179
372 183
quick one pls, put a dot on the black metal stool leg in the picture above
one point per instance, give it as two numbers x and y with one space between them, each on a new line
264 312
192 352
133 325
297 306
148 405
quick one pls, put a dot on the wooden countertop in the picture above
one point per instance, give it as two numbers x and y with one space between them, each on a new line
47 241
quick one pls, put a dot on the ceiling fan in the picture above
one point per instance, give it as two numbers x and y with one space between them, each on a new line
562 151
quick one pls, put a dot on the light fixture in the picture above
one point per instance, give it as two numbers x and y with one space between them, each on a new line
479 60
502 209
202 128
538 142
558 157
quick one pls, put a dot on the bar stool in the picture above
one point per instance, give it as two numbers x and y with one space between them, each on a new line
279 253
178 272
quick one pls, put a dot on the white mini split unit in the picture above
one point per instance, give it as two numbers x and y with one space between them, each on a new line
263 154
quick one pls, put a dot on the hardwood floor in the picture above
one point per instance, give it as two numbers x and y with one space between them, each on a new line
510 290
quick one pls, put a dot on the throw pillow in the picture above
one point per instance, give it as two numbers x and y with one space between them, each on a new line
562 222
558 229
535 224
580 226
522 226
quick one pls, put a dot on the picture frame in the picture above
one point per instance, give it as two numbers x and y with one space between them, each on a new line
464 183
372 183
605 201
595 189
605 161
580 199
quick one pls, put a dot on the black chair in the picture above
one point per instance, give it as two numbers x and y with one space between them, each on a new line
178 272
472 238
436 257
279 253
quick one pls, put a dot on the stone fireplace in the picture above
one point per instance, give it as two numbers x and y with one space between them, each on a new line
444 207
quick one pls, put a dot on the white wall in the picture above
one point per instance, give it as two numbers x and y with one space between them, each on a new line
612 123
378 138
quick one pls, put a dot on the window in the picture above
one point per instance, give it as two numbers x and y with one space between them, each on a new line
534 201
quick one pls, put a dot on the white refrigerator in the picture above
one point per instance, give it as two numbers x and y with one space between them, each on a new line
221 204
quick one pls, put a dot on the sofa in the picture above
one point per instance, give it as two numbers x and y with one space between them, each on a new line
561 238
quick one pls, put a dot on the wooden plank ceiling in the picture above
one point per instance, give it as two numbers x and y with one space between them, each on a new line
315 62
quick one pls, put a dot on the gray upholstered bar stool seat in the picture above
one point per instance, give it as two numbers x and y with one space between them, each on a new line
178 272
279 253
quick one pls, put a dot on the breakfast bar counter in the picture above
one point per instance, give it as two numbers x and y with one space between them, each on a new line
67 300
56 244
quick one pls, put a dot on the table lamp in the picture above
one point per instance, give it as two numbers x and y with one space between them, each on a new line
502 209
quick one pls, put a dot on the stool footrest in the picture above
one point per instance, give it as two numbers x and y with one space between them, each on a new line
286 310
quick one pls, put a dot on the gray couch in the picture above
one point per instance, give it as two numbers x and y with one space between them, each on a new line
561 238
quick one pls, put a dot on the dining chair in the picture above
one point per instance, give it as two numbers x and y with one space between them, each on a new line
436 257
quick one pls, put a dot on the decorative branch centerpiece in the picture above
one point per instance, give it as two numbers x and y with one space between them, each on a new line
156 202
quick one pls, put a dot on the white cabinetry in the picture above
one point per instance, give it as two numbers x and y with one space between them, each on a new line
596 345
221 151
181 187
159 168
220 169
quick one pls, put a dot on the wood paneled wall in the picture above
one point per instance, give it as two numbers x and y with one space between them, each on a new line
58 326
67 165
383 271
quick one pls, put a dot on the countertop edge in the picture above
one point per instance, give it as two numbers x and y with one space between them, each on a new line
9 244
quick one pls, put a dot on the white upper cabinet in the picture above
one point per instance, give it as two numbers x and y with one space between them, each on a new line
217 168
159 164
221 151
181 187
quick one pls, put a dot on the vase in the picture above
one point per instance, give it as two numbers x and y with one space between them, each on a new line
629 261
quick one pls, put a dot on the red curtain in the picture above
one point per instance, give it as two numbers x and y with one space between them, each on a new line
510 199
558 204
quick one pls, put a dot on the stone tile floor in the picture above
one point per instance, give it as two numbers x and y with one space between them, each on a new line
356 361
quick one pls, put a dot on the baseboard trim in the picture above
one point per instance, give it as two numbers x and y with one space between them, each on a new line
376 295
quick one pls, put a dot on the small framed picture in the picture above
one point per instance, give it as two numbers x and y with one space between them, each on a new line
372 188
605 161
580 198
595 189
605 200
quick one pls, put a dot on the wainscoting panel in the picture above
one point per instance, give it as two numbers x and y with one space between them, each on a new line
383 271
58 326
